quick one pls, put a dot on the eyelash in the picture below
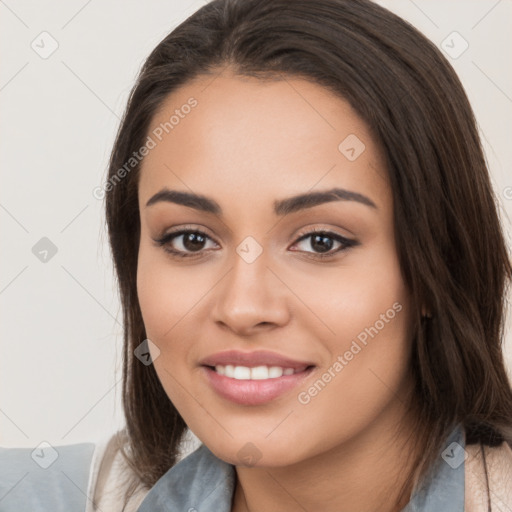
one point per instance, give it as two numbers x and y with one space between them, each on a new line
168 237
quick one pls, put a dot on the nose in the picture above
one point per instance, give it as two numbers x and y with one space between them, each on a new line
250 298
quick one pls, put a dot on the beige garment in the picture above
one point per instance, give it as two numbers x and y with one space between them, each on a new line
499 474
110 478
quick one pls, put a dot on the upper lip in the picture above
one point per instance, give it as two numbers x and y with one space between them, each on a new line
251 359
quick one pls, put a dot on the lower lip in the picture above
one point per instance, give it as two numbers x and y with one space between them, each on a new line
253 392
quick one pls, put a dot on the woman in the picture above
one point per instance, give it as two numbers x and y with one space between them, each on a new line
312 272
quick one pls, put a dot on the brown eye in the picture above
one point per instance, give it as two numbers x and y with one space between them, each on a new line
322 243
193 241
184 243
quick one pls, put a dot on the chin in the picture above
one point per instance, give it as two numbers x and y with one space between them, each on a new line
254 453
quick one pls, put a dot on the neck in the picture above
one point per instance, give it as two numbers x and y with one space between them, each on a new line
365 474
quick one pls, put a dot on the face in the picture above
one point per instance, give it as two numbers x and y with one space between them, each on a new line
279 321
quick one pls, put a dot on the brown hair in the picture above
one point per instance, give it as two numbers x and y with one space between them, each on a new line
449 240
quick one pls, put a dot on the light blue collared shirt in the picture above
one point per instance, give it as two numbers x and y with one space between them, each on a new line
202 482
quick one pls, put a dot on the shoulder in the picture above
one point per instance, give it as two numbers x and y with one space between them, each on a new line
114 485
38 479
493 465
86 477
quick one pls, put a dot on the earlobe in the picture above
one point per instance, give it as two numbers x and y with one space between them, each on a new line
425 312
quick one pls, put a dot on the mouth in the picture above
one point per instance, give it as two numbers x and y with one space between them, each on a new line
254 383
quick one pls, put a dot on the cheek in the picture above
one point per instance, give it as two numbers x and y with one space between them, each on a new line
347 300
170 301
166 293
368 315
166 296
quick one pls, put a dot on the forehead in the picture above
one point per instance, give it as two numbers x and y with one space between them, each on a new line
279 137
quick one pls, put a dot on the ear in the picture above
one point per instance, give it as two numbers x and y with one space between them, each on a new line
425 312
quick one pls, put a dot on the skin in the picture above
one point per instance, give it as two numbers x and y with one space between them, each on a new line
246 144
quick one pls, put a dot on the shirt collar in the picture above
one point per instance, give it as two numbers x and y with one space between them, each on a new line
443 487
201 482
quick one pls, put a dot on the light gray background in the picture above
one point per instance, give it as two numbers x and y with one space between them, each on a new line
60 320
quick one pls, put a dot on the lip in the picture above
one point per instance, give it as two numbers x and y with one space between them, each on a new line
253 392
252 359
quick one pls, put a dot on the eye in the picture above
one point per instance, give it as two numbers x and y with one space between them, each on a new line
324 241
184 243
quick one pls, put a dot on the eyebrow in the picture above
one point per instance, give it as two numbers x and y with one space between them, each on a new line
281 207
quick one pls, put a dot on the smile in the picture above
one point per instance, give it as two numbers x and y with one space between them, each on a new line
253 385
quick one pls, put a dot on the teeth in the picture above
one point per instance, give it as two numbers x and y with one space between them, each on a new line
259 373
274 372
255 373
242 373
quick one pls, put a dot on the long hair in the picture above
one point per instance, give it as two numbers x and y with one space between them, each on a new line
450 243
